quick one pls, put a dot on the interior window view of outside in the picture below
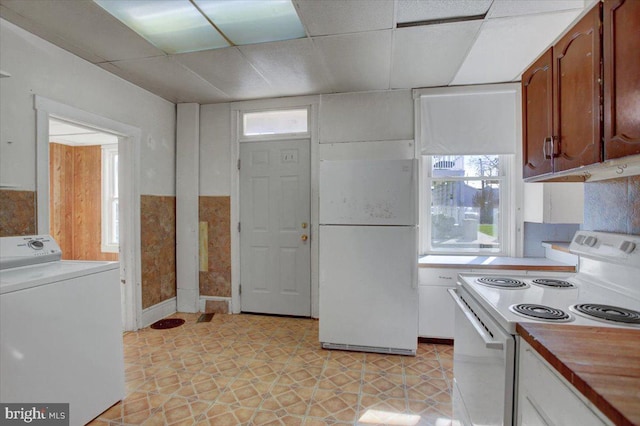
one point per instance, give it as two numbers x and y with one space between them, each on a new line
464 202
110 209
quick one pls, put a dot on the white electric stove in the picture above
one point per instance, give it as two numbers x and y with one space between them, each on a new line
604 292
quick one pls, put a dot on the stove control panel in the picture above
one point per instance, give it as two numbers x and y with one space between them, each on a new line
28 250
618 248
627 246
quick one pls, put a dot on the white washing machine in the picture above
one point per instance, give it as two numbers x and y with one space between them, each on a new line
60 329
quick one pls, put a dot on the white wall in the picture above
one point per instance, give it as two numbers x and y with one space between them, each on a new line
40 68
366 125
366 116
215 150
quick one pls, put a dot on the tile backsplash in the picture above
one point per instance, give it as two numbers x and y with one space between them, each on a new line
536 233
613 205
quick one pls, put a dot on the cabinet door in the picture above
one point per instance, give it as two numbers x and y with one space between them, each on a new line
537 107
621 38
437 312
576 86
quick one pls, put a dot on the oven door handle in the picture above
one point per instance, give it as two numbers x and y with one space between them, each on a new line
488 343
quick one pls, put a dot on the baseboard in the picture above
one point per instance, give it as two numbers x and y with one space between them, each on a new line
203 301
159 311
435 341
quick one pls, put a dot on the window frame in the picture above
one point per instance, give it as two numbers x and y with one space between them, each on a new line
109 182
506 208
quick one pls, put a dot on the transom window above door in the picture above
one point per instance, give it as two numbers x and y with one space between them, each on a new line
275 122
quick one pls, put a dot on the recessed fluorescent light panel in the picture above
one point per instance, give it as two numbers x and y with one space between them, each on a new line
427 12
254 21
177 26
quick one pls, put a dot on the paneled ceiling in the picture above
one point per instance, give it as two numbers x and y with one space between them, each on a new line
350 45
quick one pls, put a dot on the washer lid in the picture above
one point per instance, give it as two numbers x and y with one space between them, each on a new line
25 277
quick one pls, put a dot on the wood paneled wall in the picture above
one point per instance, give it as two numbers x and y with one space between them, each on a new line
75 201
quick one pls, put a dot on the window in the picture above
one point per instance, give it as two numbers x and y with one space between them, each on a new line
467 138
276 122
110 220
464 208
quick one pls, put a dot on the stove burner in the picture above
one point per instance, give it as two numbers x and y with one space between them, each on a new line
552 282
608 313
501 282
540 312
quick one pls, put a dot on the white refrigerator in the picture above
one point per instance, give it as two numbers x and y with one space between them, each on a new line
368 255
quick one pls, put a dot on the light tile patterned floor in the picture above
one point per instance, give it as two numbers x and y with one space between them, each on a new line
266 370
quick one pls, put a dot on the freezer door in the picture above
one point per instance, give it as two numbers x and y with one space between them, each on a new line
368 287
368 192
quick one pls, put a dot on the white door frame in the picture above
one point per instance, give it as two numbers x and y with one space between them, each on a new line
129 178
313 103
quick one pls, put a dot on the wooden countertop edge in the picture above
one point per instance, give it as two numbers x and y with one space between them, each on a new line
555 268
615 415
561 248
558 245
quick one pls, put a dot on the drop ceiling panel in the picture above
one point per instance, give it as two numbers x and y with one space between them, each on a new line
291 67
421 59
167 78
502 8
427 10
228 69
323 17
81 27
506 46
357 62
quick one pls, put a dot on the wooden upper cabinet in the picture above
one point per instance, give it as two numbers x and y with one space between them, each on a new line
537 107
577 92
621 38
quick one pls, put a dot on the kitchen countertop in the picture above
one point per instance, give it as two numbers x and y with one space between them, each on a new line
495 262
602 363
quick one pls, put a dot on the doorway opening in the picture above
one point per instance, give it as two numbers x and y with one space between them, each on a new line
122 237
83 191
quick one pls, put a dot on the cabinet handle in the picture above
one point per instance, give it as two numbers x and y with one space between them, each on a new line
554 145
544 147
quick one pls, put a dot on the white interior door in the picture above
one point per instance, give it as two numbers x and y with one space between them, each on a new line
275 256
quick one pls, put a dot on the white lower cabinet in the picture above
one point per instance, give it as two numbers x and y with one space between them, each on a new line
546 398
436 307
436 312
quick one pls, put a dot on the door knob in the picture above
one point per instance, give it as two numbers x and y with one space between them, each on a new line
304 237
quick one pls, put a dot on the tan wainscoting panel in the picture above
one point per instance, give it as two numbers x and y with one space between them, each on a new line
17 213
158 240
216 279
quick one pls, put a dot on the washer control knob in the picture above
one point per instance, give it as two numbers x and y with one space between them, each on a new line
36 245
628 246
590 241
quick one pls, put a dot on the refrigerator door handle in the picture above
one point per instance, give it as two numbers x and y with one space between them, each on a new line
414 276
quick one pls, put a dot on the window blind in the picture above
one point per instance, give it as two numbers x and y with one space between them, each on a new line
468 120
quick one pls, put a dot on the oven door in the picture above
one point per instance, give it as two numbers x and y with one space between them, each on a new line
483 366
